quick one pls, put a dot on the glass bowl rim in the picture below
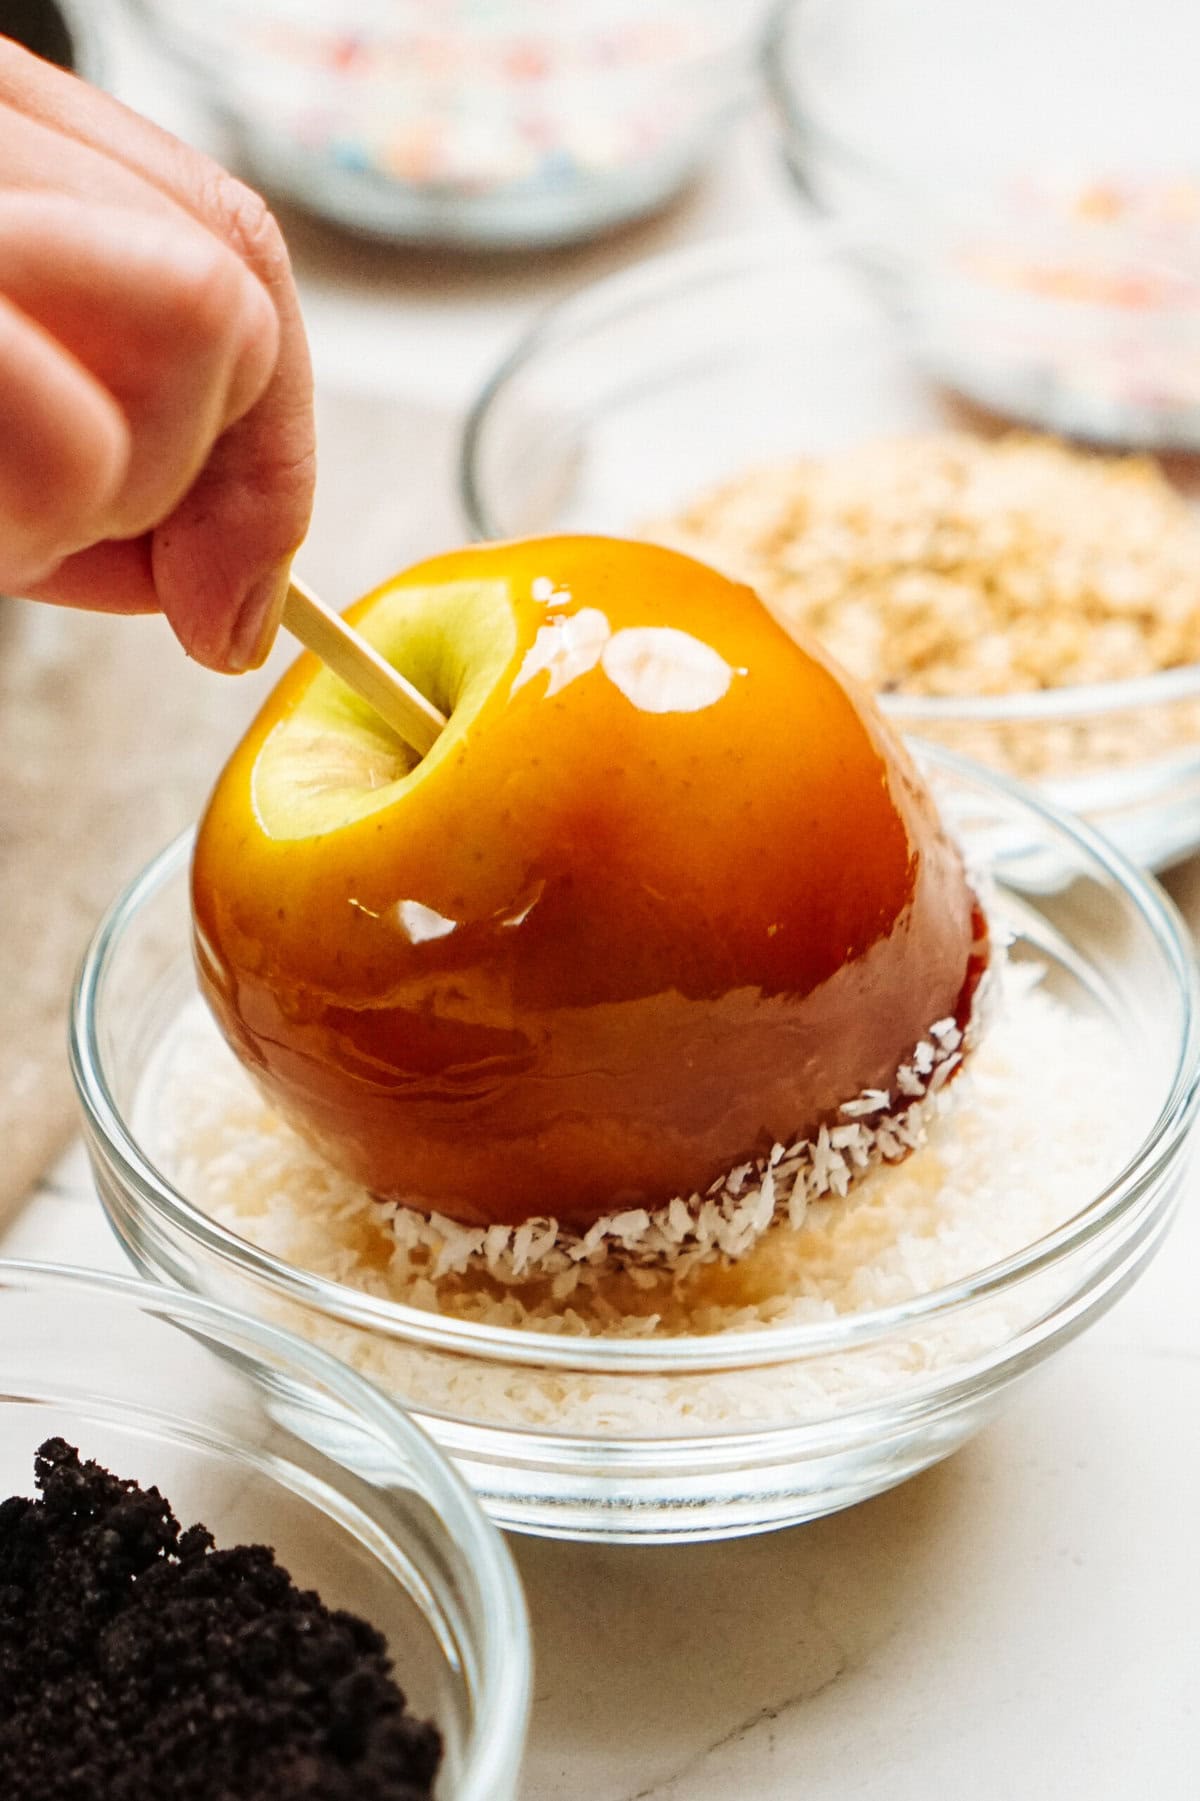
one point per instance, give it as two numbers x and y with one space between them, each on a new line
755 254
797 126
676 1355
498 1730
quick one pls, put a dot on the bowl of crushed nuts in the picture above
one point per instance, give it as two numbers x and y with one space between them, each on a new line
1020 600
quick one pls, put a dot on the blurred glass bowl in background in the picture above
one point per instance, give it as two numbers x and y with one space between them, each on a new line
476 122
1026 180
635 395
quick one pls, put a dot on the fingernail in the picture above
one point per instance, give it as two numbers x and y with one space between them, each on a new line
258 621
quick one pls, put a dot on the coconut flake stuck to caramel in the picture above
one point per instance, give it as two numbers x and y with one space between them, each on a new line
878 1126
735 1212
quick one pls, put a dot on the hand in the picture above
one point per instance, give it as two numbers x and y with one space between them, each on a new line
156 434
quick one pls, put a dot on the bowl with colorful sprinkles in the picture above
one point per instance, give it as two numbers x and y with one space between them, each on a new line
477 122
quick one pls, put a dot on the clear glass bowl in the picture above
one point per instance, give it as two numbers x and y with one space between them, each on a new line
1026 180
926 1373
267 1440
633 396
470 122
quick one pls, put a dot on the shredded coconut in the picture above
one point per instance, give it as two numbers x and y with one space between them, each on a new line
730 1218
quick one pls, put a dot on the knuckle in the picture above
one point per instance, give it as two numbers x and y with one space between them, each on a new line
203 297
73 505
295 504
15 62
281 496
249 226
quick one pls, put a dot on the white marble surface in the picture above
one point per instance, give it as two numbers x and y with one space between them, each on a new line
1020 1622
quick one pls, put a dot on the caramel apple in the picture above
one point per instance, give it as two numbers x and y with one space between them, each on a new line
666 891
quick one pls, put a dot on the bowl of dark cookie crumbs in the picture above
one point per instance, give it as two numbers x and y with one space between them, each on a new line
230 1570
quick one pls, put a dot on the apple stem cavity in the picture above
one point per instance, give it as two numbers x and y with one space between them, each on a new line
400 705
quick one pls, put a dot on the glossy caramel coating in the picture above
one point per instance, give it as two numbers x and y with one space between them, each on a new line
600 953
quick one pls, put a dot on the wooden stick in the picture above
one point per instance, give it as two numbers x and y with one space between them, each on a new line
361 667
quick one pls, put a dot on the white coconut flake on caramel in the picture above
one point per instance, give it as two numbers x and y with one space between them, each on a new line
727 1220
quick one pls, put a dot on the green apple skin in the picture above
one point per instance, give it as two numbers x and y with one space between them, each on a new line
665 892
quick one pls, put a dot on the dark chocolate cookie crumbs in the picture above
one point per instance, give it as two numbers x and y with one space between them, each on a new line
137 1662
